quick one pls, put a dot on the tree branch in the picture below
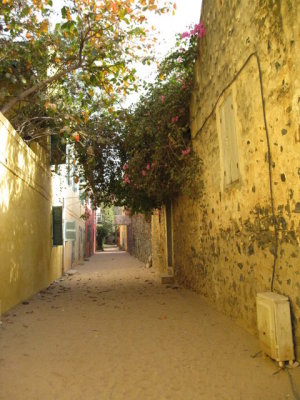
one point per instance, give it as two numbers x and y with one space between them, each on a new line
39 86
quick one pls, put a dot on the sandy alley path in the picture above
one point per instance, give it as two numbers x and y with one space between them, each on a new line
111 331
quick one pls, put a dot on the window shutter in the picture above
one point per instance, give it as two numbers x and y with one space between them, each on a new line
70 230
229 142
57 231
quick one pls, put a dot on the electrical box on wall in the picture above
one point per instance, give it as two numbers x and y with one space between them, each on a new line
274 326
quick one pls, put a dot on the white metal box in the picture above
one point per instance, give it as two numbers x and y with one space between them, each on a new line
274 326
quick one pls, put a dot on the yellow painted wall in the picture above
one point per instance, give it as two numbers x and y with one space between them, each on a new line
229 241
123 237
28 262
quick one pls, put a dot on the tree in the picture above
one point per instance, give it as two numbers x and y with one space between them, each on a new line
102 233
147 158
51 76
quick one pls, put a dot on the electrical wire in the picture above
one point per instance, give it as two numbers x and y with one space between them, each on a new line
295 394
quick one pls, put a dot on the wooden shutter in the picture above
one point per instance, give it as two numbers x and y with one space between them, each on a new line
57 230
229 142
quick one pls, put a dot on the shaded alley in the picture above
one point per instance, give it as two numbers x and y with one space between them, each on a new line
112 331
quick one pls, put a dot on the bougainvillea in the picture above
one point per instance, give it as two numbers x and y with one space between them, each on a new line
153 157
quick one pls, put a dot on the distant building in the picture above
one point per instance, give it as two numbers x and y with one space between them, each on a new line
66 194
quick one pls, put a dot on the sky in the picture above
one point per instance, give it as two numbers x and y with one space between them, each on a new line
167 25
187 13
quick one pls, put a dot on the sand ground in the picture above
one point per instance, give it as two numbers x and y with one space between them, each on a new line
113 332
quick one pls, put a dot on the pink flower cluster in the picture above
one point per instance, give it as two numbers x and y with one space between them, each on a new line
162 98
186 152
174 119
126 178
198 30
147 168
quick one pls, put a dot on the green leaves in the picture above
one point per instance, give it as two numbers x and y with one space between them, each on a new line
64 12
88 44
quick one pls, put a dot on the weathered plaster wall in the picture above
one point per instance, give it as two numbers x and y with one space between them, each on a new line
28 262
228 243
139 237
73 210
159 241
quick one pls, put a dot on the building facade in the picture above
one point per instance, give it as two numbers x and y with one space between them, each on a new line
66 194
241 236
28 260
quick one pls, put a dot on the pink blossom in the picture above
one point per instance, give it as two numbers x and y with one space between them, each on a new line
186 152
125 166
173 120
148 167
183 86
176 118
126 178
162 98
180 59
198 30
185 35
143 172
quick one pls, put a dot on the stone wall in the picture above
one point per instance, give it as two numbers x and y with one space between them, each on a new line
139 238
159 240
241 238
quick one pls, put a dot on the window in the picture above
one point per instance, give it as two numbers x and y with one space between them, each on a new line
57 233
229 147
70 230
